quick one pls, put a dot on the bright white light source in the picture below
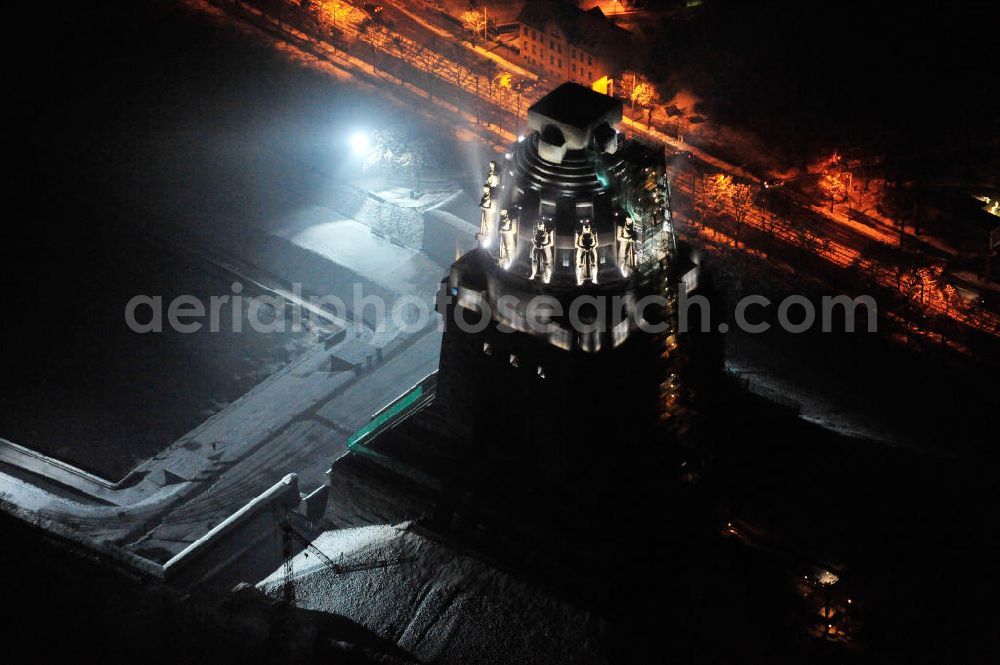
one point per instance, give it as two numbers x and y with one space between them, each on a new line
826 578
359 143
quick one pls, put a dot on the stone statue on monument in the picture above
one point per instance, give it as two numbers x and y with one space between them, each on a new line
586 254
627 237
541 253
508 239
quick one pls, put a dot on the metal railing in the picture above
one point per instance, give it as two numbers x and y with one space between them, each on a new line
396 411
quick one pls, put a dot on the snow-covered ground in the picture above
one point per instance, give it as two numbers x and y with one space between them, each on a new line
353 245
829 389
814 406
439 604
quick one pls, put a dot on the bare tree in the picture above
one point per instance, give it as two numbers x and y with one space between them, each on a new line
741 198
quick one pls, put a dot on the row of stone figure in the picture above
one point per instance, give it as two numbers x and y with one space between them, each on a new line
586 241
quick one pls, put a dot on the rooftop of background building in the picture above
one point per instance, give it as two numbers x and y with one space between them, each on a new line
586 29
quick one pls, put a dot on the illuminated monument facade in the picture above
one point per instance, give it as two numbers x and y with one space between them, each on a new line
564 392
560 359
573 204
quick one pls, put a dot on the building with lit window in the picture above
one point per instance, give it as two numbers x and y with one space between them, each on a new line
563 42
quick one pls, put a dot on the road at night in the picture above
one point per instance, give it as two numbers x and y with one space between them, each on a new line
462 76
